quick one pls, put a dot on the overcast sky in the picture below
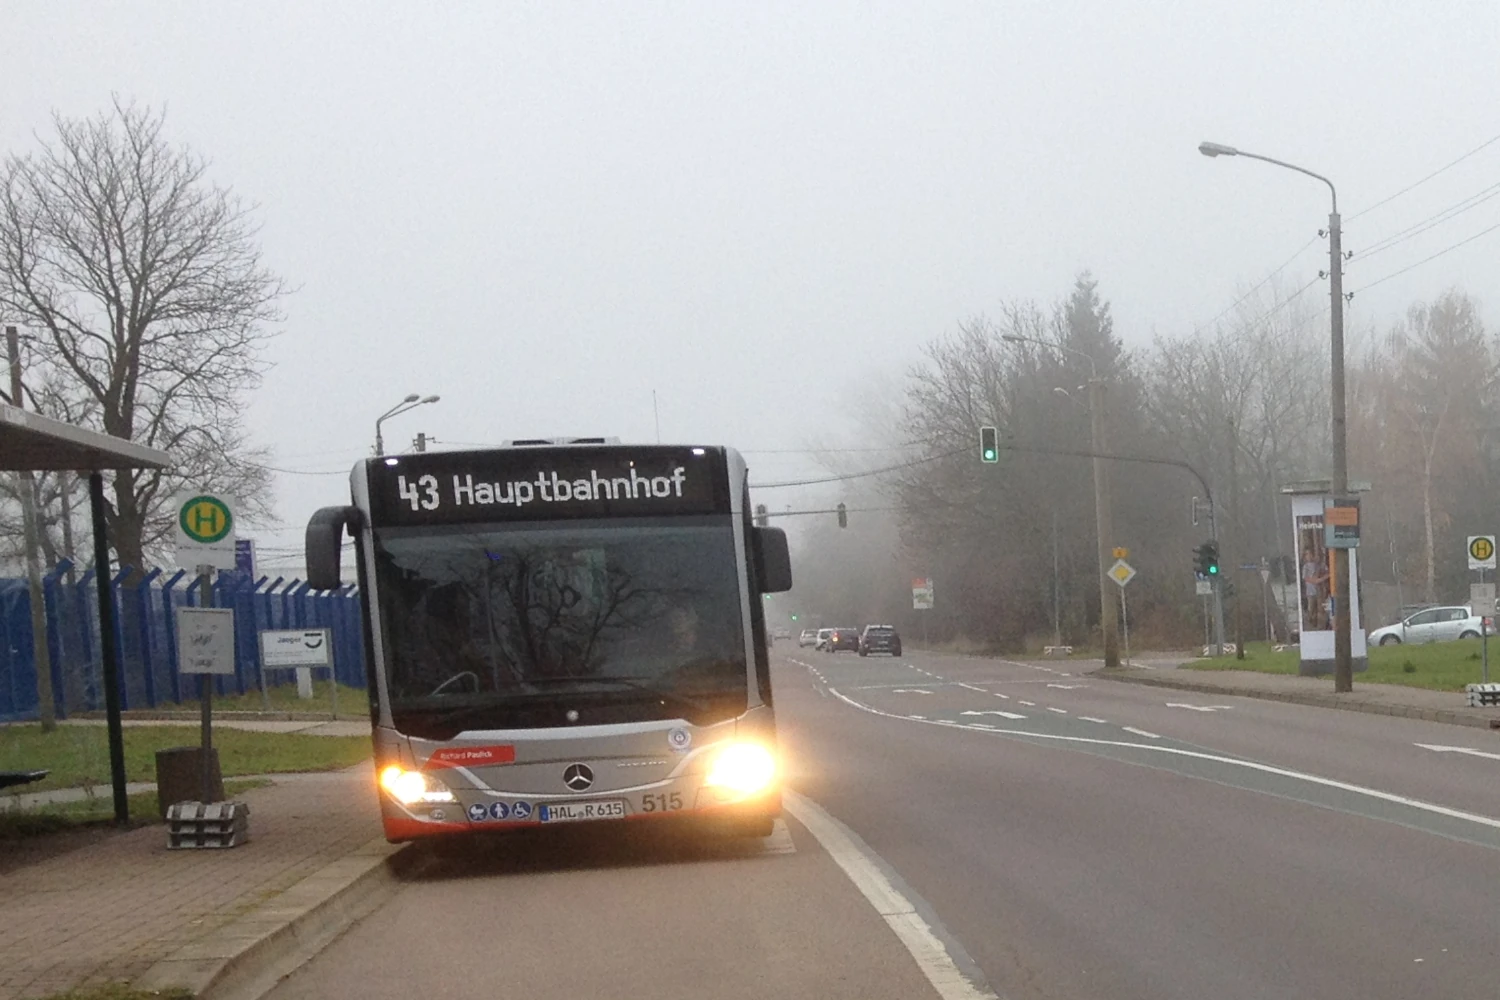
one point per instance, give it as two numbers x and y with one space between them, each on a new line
543 211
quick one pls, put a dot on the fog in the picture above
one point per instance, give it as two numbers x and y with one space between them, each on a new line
745 226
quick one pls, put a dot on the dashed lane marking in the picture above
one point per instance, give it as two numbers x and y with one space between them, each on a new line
995 711
1090 718
1131 729
1059 711
1028 704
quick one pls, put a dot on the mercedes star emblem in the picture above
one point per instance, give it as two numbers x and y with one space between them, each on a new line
578 777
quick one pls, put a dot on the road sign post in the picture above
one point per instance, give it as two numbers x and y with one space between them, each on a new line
1122 573
205 646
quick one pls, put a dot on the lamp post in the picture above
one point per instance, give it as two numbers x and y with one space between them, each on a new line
1343 659
411 402
1109 633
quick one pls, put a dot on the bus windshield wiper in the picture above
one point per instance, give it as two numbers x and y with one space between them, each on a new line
635 683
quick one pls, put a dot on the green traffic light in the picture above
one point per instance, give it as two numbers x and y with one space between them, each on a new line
989 455
1213 569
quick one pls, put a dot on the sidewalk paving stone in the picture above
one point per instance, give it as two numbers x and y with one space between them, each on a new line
113 909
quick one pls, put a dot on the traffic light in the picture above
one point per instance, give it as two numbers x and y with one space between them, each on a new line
989 445
794 617
761 520
1207 559
843 516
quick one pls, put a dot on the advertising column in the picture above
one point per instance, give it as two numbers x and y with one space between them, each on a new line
1315 589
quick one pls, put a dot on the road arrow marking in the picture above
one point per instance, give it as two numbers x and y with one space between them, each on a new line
1199 708
1472 753
992 711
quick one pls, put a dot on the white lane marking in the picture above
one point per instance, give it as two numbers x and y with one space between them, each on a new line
997 694
1067 687
995 711
1199 708
1314 779
980 725
1059 711
971 687
1028 704
919 718
899 913
1090 718
910 691
1443 749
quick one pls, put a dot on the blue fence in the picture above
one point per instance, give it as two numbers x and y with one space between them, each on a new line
145 637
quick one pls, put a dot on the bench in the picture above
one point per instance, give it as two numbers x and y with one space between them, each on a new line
9 778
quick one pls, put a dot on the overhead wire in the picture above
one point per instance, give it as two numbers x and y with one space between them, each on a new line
1436 219
1424 260
1416 184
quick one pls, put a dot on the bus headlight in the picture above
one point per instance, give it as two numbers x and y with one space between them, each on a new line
741 768
412 787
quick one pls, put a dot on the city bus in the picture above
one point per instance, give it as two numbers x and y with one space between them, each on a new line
562 630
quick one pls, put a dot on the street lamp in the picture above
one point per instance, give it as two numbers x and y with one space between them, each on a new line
411 402
1102 520
1343 659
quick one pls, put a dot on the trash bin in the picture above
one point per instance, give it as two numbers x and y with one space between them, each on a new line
179 777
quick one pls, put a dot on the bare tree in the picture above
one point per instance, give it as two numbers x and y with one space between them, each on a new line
146 284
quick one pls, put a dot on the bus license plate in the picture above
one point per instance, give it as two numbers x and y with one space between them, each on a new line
568 812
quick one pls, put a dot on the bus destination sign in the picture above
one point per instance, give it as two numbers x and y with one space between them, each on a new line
547 484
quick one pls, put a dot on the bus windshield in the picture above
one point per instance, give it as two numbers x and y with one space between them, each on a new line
492 626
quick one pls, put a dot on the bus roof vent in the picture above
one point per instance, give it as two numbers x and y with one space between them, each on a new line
534 442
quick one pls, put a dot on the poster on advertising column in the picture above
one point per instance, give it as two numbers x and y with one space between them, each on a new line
1316 591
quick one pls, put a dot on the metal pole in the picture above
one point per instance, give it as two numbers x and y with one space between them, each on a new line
206 699
41 655
1107 624
1056 588
1125 615
1343 659
107 653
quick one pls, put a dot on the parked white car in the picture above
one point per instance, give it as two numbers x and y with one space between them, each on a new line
1441 624
808 637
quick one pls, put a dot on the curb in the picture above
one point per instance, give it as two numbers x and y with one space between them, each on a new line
1317 700
248 957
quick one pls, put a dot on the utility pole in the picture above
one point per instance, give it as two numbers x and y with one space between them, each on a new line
1236 542
1343 652
1108 624
1056 587
41 655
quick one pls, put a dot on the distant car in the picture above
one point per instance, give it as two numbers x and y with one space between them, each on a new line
1440 624
845 640
879 639
821 639
808 637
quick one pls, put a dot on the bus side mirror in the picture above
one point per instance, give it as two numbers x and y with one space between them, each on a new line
773 560
325 537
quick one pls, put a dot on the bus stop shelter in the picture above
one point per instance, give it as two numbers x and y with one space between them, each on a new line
29 441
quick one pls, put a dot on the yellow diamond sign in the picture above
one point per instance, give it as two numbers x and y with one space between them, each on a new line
1122 572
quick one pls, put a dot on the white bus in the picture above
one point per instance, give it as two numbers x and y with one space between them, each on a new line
561 631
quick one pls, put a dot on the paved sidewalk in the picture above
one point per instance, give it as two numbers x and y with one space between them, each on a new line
113 909
1379 699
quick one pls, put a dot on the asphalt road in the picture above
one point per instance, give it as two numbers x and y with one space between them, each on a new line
1053 834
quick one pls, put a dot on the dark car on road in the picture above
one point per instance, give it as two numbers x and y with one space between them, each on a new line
879 639
842 640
